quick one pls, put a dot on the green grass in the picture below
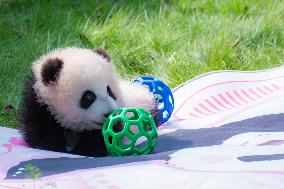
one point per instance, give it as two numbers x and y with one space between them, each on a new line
174 40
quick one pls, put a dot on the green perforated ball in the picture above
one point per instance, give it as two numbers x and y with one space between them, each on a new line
129 131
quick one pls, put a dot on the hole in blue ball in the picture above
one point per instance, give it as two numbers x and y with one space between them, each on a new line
161 105
171 100
160 88
165 114
159 96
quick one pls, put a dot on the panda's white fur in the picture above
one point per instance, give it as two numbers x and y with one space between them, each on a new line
85 69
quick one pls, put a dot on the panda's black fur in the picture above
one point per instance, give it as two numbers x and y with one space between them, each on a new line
41 128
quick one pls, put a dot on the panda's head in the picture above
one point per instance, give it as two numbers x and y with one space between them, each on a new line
79 86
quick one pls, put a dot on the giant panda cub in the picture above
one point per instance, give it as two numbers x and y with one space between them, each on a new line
68 96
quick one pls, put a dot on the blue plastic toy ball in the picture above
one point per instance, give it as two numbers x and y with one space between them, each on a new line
163 94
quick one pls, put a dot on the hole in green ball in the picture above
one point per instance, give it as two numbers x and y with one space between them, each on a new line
115 154
134 129
141 142
116 112
106 124
124 144
132 115
118 126
147 127
125 140
154 140
110 139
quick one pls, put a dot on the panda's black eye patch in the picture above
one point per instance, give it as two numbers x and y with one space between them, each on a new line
110 93
87 99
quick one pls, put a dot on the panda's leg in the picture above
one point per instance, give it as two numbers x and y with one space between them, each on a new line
38 126
72 139
91 143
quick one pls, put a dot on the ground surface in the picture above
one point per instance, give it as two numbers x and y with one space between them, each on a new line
174 40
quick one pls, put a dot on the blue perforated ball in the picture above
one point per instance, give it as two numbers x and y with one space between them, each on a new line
163 94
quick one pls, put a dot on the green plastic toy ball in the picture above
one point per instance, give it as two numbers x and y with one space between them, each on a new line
130 131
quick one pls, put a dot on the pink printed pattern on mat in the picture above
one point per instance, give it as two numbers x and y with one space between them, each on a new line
230 100
223 101
13 142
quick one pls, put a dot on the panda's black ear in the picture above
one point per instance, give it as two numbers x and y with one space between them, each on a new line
103 53
51 70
